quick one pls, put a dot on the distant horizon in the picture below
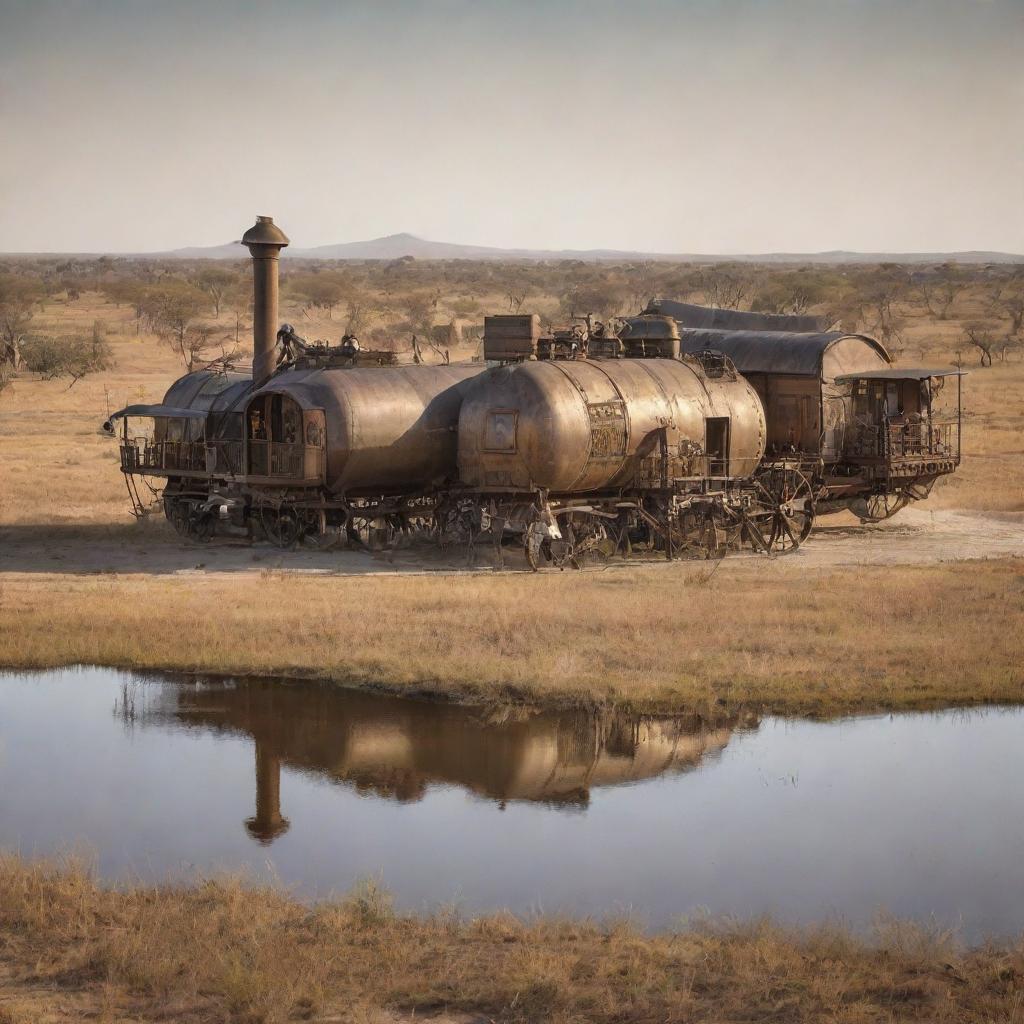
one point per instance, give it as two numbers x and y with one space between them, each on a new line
308 251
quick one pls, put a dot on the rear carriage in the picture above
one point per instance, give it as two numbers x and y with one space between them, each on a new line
870 436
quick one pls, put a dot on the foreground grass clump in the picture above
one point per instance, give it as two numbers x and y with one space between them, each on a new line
218 951
795 643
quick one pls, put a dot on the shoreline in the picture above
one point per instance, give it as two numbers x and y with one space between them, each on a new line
478 698
218 949
865 639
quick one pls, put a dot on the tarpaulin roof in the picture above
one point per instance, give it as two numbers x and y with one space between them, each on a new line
773 351
159 412
688 315
898 373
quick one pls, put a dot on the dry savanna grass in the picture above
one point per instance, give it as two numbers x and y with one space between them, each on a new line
820 643
218 951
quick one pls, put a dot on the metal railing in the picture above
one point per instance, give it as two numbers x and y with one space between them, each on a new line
280 459
906 440
267 458
145 456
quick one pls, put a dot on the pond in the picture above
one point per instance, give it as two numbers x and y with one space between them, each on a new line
318 788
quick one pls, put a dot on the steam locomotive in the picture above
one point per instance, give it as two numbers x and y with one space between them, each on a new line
684 431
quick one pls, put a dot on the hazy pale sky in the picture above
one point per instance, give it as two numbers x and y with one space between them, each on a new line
659 125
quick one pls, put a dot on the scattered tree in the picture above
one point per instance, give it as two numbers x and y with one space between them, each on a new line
71 356
938 292
982 339
18 298
217 282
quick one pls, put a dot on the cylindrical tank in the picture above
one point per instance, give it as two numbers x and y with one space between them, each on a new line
583 426
389 429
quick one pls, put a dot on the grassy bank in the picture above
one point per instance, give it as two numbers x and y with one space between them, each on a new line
824 643
70 950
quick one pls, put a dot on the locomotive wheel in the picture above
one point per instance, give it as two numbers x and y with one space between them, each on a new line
188 521
588 538
876 508
784 515
282 526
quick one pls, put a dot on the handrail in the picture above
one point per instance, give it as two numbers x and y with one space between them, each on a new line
266 458
894 440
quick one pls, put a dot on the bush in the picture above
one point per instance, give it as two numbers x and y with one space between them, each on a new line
72 356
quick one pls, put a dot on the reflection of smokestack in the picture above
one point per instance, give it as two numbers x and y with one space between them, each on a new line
265 241
268 823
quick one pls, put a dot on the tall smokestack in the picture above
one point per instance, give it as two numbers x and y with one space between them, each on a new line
265 241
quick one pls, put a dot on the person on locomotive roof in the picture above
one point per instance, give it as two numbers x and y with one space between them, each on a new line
349 345
291 344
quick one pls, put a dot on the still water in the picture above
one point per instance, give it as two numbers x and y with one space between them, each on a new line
318 788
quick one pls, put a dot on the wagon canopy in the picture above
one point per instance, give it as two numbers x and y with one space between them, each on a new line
158 412
915 373
825 356
688 315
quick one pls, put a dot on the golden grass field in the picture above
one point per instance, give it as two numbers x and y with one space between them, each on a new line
848 640
72 950
826 644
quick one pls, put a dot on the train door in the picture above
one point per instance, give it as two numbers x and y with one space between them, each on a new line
716 445
834 427
282 440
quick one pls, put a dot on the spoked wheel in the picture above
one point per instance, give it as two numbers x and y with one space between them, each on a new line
283 526
188 520
588 537
876 508
783 515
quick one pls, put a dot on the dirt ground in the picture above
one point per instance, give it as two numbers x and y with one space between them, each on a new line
915 536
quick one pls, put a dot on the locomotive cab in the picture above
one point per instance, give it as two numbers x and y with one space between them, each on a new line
283 441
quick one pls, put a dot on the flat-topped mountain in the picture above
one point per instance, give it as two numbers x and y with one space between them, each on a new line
393 247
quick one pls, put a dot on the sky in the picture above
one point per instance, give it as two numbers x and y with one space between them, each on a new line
713 126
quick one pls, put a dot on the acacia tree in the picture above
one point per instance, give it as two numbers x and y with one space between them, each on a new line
217 282
71 356
240 303
18 298
938 293
978 336
725 286
174 310
1008 300
517 288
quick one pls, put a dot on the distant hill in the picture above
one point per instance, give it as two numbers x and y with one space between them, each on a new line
393 247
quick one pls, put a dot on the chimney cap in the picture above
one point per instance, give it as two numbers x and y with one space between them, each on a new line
265 232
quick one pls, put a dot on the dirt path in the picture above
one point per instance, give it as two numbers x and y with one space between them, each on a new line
916 536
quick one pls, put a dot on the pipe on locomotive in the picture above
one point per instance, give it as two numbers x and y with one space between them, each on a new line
264 240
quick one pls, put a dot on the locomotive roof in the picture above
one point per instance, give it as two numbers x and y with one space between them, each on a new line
797 354
208 390
688 315
901 373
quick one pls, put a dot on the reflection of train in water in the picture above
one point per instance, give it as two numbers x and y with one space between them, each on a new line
687 429
398 748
